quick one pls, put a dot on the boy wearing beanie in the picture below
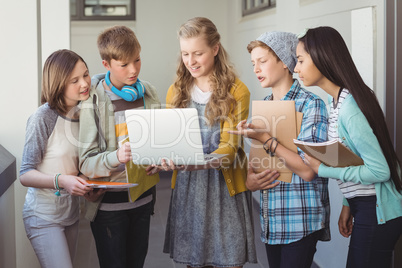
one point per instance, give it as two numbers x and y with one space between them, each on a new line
294 216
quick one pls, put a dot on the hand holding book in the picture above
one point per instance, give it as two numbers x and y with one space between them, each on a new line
312 162
331 153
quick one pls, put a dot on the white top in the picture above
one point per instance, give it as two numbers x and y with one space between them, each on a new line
349 189
200 96
51 147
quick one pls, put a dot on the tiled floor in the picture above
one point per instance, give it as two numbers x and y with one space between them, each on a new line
86 255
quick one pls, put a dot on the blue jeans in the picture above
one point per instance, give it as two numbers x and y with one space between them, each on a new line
299 254
371 244
121 237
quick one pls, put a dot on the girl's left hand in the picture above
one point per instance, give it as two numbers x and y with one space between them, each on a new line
153 169
313 163
345 222
164 166
74 185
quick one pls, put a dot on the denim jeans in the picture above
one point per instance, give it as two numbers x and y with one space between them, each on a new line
121 237
298 254
54 244
371 244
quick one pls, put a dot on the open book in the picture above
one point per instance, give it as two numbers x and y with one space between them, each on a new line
331 153
109 184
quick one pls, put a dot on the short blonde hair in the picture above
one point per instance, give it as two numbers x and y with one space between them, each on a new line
118 43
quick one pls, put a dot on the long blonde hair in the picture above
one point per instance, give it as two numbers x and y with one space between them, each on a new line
222 78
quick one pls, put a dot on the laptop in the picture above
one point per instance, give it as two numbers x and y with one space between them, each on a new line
170 134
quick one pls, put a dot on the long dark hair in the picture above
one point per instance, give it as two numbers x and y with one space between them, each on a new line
331 56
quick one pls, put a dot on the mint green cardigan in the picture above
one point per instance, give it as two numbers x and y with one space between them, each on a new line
356 133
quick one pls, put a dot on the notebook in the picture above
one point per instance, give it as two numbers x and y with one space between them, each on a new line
109 184
332 153
281 120
170 134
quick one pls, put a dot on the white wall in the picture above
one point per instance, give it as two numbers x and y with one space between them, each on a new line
156 29
55 26
22 63
19 95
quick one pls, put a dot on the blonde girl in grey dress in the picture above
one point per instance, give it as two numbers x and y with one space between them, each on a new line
210 215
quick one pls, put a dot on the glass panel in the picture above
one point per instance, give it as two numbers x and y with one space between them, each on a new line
254 6
107 8
249 5
73 8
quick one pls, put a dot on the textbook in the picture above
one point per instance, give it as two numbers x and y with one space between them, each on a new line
109 184
331 153
280 120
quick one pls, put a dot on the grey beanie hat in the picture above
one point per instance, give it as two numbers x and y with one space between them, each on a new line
284 45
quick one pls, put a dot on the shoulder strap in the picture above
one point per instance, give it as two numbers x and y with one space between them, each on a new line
101 138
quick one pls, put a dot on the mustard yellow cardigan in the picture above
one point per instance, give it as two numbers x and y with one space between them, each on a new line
234 165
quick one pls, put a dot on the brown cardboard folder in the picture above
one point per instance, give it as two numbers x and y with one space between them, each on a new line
331 153
280 120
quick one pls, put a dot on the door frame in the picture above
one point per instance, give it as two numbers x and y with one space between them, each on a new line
393 96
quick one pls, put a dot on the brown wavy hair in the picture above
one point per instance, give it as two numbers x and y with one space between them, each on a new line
222 78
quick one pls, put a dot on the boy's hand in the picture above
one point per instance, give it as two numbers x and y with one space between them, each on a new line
94 194
261 181
250 131
124 153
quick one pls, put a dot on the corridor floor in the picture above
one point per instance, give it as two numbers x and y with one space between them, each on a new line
86 253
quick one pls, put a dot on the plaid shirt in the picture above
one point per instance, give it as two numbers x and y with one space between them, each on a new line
291 211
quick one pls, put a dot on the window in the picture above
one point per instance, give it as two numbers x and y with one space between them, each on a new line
102 9
254 6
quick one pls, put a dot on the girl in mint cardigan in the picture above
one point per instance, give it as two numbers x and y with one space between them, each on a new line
372 210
